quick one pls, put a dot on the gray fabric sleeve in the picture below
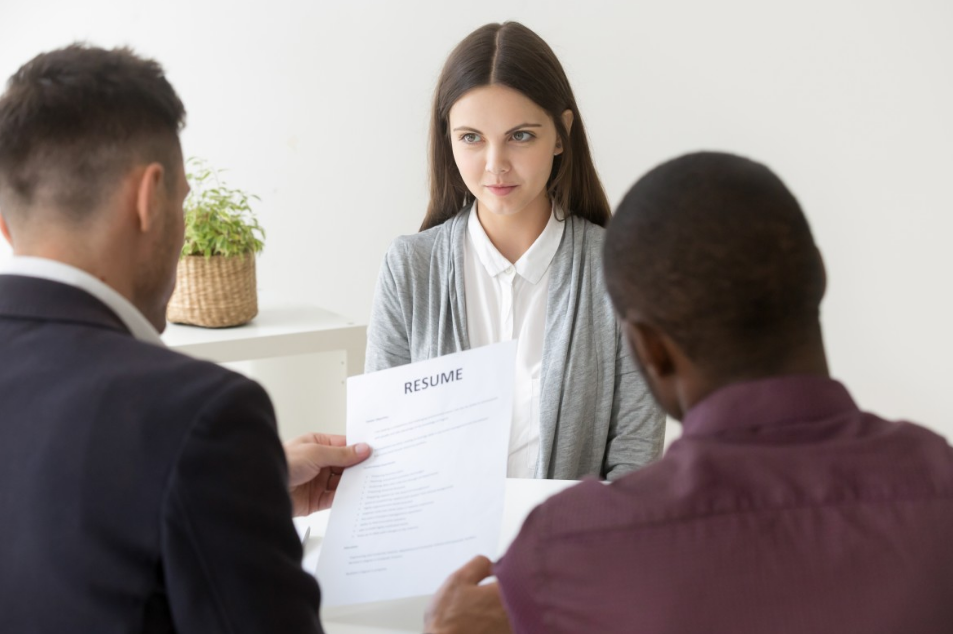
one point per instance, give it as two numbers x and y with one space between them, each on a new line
388 336
637 425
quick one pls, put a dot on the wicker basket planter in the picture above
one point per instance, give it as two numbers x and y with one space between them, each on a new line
214 292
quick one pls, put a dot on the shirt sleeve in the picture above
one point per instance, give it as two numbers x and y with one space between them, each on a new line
388 340
230 554
520 574
637 423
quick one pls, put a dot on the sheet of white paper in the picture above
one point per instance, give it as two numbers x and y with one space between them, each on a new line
430 497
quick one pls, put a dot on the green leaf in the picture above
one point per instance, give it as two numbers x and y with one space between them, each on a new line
218 219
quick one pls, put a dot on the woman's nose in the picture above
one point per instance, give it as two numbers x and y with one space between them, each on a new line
496 161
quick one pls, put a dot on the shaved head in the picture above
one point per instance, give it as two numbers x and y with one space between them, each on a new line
715 251
72 123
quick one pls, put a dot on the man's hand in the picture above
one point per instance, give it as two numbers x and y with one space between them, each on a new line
315 465
462 606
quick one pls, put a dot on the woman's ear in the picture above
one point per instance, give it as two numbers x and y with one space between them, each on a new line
567 118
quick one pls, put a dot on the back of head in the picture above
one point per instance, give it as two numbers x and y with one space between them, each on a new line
514 56
72 123
715 251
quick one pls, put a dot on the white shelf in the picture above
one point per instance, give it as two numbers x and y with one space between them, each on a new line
277 331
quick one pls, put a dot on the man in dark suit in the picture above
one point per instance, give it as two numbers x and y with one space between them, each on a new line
140 490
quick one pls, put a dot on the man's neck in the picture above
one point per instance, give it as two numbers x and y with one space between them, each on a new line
103 266
809 359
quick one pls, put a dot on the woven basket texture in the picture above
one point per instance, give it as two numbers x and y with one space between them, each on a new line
214 292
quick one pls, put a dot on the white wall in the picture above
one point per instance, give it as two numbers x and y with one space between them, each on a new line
321 109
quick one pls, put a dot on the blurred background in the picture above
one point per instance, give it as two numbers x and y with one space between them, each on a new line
321 108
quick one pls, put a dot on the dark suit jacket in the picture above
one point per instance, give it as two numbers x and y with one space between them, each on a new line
140 490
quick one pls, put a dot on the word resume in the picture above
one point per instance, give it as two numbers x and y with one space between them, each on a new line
430 497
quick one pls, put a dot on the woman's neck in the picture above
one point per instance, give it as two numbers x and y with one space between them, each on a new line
514 235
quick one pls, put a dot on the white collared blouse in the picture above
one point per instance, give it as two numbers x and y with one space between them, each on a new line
507 301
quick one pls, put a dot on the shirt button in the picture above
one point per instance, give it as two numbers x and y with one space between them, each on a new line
509 270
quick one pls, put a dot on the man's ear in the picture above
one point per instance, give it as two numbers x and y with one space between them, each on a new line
5 230
150 192
650 345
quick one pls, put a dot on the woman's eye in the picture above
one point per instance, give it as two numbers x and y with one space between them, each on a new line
470 137
522 135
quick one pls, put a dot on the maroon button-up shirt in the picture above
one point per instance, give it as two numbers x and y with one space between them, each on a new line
782 509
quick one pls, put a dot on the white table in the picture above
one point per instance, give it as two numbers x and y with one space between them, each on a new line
279 330
406 615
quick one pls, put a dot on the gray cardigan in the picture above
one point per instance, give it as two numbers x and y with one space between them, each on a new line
597 416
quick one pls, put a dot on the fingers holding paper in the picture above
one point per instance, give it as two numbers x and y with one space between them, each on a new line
462 606
315 465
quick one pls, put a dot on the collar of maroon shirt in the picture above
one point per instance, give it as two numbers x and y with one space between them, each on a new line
768 403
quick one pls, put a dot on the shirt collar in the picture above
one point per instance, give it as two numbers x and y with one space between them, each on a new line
768 402
533 264
55 271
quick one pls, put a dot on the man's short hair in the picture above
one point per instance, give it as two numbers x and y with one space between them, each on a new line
73 121
714 250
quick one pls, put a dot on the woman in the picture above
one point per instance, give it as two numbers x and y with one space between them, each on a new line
511 248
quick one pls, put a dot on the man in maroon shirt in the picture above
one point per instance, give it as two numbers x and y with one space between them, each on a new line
783 508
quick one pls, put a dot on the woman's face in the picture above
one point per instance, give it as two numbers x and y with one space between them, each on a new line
504 145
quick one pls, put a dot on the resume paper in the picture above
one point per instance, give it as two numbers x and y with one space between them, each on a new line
430 497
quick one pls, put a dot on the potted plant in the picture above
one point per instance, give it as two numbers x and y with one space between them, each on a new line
215 280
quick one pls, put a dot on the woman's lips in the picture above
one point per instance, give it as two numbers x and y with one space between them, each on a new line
501 190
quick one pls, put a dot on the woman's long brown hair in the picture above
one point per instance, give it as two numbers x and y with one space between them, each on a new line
511 55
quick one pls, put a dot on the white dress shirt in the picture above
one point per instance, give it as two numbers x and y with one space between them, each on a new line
42 268
508 301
